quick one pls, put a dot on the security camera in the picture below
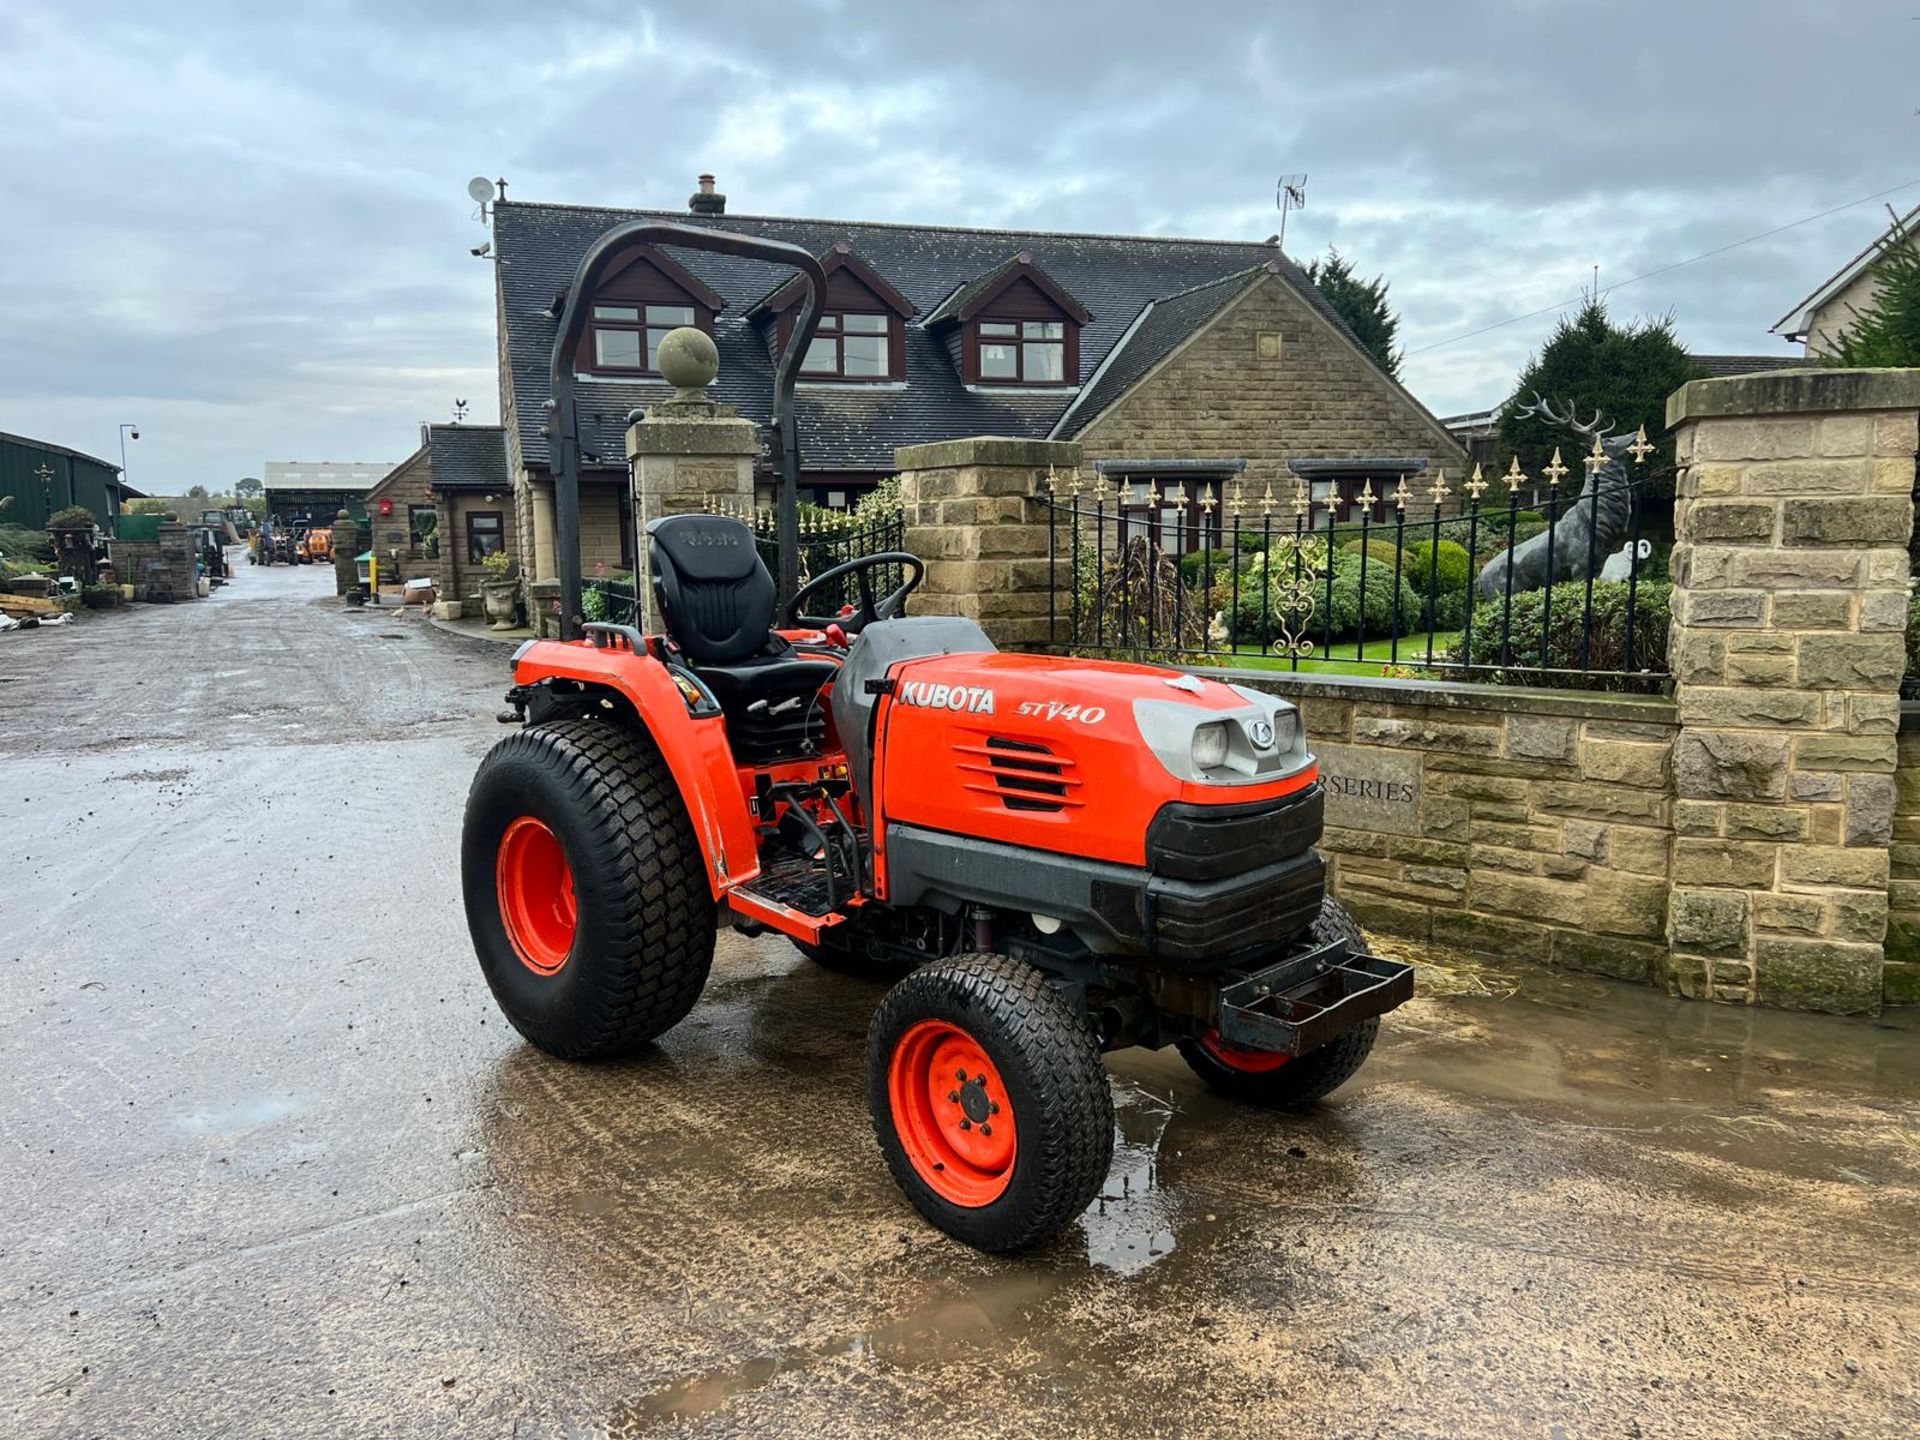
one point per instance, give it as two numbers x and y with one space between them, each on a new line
136 435
482 250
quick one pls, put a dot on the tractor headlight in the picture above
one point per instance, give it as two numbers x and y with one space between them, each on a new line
1210 745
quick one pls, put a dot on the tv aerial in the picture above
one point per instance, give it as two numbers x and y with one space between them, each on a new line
1290 194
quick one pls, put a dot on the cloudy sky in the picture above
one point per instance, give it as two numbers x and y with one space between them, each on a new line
245 226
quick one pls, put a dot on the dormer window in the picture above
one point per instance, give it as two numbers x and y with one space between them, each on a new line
862 334
850 345
635 307
1023 352
627 337
1015 325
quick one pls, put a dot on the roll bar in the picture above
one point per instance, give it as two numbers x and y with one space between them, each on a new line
562 428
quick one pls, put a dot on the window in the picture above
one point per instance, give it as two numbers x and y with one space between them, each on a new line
1023 352
422 523
850 345
486 535
1322 489
627 337
1153 508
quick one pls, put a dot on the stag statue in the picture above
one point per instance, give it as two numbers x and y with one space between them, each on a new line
1587 532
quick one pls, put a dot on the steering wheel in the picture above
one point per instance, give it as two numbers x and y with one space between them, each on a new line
893 603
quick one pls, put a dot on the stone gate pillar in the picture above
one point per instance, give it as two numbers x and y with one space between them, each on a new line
690 454
972 512
1792 520
346 545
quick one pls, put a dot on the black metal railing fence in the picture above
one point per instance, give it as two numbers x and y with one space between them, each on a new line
1450 582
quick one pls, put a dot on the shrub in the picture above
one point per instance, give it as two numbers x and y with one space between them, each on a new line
20 547
1196 568
74 517
1606 646
1913 647
1380 551
1336 612
1448 573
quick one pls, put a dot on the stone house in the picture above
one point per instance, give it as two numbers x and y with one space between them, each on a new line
440 512
1835 303
1146 349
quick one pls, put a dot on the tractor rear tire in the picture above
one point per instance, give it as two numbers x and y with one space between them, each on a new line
970 1043
586 892
1260 1078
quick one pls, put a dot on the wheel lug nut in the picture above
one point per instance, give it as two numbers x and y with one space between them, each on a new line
986 1129
966 1124
954 1096
961 1076
994 1108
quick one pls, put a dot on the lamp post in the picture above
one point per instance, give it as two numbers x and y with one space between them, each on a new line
134 426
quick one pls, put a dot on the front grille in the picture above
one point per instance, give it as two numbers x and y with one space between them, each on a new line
1214 841
1024 775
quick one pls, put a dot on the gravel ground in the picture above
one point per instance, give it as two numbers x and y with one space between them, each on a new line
275 1166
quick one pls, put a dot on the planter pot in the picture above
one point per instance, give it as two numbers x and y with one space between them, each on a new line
502 599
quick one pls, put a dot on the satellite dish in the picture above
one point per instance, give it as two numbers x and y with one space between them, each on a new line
480 189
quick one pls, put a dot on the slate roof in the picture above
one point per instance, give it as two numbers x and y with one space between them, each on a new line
852 427
1712 367
472 457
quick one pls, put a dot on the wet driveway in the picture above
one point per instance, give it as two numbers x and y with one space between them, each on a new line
273 1165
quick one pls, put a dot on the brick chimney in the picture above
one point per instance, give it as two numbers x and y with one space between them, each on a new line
706 200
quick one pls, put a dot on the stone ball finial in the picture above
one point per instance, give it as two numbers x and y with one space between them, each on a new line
688 361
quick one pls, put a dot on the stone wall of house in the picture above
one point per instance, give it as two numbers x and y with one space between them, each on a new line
408 484
1221 397
1501 821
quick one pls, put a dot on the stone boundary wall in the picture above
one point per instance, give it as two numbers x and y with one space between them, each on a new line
1507 822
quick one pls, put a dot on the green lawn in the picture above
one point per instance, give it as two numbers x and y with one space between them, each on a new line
1343 659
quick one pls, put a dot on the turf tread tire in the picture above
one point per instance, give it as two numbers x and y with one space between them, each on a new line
1048 1057
646 931
1313 1076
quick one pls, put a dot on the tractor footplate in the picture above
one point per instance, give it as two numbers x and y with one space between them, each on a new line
1307 999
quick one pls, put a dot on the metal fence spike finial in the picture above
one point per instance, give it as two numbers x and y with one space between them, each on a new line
1367 497
1477 486
1555 470
1440 491
1048 483
1596 458
1400 496
1641 446
1266 500
1302 501
1515 476
1236 503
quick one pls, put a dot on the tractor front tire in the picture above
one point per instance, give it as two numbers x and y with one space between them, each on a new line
586 892
989 1100
1262 1078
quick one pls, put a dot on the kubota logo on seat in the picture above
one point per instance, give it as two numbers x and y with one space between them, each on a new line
969 699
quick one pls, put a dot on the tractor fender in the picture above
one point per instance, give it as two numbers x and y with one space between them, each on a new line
694 746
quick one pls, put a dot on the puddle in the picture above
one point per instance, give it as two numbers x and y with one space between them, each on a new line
243 1115
1131 1225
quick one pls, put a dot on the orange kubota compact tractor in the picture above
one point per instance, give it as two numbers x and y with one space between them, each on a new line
1054 857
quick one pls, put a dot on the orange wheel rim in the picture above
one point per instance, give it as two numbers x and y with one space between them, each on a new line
952 1113
1247 1062
535 885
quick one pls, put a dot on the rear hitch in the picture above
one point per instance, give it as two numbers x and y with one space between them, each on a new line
1305 1000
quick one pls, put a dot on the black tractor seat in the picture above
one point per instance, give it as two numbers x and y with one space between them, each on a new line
717 602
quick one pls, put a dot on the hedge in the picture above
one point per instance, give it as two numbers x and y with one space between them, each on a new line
1606 647
1386 590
